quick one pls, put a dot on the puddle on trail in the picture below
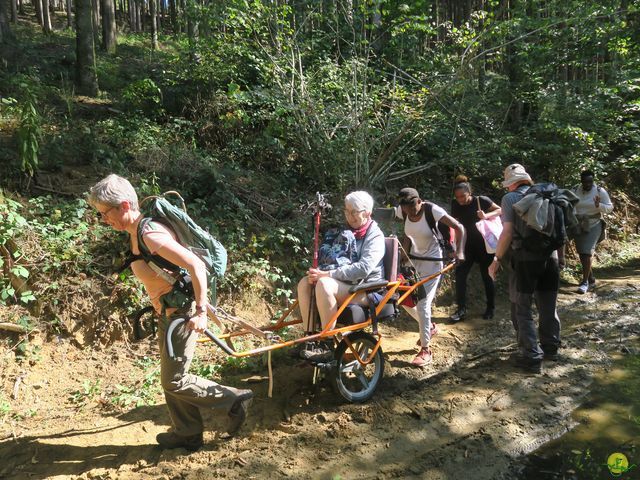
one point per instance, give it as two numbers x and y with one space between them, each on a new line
608 423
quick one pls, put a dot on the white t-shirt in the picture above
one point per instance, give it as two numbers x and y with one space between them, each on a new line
586 205
423 243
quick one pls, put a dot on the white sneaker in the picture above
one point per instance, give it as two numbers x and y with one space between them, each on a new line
583 287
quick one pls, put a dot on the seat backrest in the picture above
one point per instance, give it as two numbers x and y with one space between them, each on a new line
390 260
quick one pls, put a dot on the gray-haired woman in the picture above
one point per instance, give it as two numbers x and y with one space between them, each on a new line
117 204
332 286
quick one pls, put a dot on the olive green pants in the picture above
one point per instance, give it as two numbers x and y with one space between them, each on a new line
186 393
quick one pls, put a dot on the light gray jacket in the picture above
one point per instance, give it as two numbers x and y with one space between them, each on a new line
370 266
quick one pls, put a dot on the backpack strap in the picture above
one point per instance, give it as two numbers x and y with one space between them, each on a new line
129 260
155 262
427 208
428 216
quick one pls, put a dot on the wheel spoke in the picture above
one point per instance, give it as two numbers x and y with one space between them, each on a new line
349 367
364 352
363 380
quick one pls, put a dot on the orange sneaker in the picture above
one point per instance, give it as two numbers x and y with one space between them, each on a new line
424 357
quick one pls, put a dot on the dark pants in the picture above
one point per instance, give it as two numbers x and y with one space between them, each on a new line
483 259
537 280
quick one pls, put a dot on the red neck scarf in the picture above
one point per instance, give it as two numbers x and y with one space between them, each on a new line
359 233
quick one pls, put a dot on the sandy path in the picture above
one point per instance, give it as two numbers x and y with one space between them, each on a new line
468 412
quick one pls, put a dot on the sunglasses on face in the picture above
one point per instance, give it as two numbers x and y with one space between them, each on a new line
103 215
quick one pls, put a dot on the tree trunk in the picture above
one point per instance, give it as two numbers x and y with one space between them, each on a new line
5 29
154 24
132 16
86 78
109 26
14 11
95 18
46 16
37 5
138 10
375 34
193 30
203 27
69 16
173 16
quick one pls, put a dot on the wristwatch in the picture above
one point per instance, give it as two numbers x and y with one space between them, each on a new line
496 259
200 309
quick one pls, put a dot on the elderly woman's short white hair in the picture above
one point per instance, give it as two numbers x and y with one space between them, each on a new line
359 200
112 191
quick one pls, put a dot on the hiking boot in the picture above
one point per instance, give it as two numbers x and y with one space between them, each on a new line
317 353
459 315
488 313
296 351
171 440
583 287
424 357
527 365
592 283
238 411
434 332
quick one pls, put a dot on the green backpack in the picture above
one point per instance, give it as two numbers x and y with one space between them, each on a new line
189 234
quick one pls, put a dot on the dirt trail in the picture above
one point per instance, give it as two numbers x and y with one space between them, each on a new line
470 412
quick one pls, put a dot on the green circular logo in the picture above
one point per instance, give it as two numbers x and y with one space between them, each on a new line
617 463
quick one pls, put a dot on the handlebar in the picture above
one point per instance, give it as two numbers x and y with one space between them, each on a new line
175 323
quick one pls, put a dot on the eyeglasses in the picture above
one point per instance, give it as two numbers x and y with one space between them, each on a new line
106 212
352 213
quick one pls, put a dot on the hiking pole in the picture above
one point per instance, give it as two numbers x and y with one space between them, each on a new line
317 207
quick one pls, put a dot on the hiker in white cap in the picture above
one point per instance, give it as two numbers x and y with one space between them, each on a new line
532 275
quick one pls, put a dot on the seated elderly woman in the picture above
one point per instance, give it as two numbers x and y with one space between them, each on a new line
332 286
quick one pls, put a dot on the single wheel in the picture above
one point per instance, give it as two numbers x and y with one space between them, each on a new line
356 382
144 323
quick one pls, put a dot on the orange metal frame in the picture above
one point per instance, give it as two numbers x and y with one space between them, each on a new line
329 331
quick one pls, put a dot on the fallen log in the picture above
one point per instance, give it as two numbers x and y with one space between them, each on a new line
12 327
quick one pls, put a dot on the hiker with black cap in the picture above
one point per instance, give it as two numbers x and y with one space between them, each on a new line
421 222
186 394
531 275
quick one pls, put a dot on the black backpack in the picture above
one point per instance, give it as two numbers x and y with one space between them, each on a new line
441 232
554 230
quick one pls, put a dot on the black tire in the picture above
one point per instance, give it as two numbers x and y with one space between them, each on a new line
144 323
355 382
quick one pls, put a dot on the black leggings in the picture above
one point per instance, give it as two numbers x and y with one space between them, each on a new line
462 272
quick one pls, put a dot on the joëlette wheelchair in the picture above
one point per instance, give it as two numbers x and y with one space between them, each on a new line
357 366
